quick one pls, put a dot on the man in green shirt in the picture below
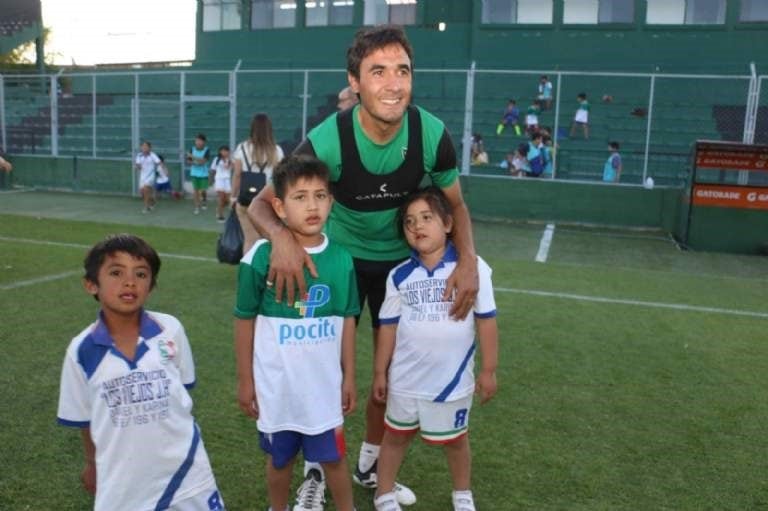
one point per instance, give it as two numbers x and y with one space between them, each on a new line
378 152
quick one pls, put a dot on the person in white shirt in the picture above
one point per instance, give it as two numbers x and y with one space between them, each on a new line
146 164
124 384
222 180
425 359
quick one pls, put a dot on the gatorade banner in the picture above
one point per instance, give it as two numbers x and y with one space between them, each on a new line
731 156
739 197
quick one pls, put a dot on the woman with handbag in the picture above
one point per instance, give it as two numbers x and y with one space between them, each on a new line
254 159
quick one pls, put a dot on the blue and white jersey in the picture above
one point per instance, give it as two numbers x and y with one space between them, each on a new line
434 354
149 454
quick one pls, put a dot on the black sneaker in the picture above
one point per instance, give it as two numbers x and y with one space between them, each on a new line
366 479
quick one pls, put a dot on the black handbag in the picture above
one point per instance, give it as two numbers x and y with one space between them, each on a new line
251 182
229 248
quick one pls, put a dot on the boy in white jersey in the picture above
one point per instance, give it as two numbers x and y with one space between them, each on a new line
296 363
124 383
424 362
146 164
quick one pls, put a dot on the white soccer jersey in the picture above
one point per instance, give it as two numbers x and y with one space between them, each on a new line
297 350
149 453
148 163
434 354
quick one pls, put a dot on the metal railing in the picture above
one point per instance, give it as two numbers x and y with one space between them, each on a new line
654 116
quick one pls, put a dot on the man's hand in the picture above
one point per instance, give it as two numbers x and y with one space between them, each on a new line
286 267
463 285
246 399
485 386
348 396
88 477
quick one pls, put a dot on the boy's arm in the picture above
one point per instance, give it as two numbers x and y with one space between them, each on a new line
488 333
385 346
348 389
246 387
88 475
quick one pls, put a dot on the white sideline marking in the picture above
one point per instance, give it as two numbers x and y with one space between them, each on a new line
640 303
568 296
38 280
546 241
79 245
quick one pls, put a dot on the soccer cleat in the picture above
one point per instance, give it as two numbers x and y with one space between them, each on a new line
462 501
367 479
387 502
197 211
311 494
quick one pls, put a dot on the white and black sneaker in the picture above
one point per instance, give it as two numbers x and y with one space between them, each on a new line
311 494
367 479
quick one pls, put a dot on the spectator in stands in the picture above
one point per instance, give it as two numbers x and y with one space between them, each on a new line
146 164
199 157
581 118
478 154
613 165
347 98
548 148
545 93
257 155
5 165
517 162
532 118
535 156
511 116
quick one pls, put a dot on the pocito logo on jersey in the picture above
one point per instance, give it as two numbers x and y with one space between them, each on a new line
167 349
303 332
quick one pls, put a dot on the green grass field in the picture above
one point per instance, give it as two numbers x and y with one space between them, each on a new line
633 375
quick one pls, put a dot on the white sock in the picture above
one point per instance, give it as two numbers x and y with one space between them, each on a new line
309 465
369 453
462 495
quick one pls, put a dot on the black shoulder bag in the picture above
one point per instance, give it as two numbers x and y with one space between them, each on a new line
251 183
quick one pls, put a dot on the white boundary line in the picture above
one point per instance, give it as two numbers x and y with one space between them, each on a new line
79 245
544 244
640 303
38 280
533 292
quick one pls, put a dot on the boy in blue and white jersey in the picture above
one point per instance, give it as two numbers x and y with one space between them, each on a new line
124 382
296 362
425 359
613 166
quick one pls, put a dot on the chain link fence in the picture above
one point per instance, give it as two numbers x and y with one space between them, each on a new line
655 118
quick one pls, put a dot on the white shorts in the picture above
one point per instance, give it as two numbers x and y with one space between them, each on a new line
531 120
147 179
440 423
207 500
582 116
223 185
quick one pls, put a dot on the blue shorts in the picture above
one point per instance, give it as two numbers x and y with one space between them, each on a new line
163 187
283 446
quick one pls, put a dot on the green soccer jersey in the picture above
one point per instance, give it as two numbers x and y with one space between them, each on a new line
374 235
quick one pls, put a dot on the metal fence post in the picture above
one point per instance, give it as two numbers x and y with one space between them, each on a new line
304 105
233 106
182 121
54 95
3 140
93 115
648 127
466 138
556 127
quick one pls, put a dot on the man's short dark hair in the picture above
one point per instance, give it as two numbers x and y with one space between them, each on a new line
128 243
367 40
293 168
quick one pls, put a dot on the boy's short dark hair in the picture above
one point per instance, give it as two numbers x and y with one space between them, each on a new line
202 137
128 243
433 196
613 145
293 168
367 40
581 95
